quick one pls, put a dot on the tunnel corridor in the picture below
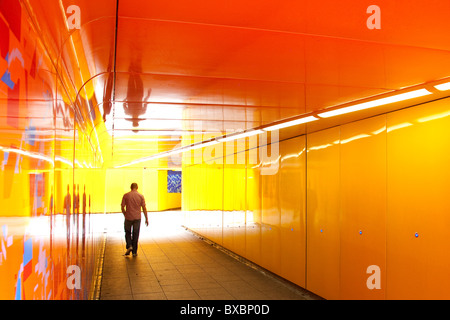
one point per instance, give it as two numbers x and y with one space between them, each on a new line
302 145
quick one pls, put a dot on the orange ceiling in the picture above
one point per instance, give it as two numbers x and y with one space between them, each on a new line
218 66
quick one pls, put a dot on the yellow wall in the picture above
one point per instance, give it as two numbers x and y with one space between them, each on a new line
152 183
166 200
368 193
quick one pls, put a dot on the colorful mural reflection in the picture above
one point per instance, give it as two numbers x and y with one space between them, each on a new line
46 195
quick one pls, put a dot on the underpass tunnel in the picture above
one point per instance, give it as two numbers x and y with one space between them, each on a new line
309 139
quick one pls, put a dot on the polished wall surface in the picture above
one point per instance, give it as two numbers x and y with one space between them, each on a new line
417 219
323 213
49 188
357 211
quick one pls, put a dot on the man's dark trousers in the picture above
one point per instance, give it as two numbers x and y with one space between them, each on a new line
132 233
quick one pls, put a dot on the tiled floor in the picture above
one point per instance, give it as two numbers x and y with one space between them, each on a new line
174 264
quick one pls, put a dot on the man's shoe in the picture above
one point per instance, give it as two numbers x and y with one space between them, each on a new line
128 251
134 254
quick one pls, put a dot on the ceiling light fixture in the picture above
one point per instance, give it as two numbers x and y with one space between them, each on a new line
443 86
201 145
376 103
291 123
240 135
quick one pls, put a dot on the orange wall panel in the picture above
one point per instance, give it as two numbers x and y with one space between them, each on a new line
292 201
370 193
363 207
271 221
418 202
323 222
253 210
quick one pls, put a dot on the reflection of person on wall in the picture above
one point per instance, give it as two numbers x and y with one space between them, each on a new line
108 88
67 205
76 210
76 199
135 104
132 202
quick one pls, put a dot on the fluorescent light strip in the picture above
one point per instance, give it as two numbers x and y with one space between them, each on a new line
443 86
240 135
30 154
154 157
327 114
376 103
169 153
201 145
291 123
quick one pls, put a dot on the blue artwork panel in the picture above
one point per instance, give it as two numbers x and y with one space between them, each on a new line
173 181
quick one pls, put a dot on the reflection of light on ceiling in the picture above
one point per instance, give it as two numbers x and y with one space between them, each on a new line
294 155
434 117
399 126
30 154
153 157
270 163
78 163
359 136
379 131
165 113
63 160
320 147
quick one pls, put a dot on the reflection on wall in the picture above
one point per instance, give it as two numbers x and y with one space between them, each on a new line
46 193
357 211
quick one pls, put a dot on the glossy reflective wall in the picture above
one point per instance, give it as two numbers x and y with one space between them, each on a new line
356 211
50 187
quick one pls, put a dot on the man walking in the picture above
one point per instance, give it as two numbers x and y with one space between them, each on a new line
132 202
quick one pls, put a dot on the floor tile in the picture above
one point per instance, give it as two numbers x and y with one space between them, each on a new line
174 264
189 294
150 296
214 294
